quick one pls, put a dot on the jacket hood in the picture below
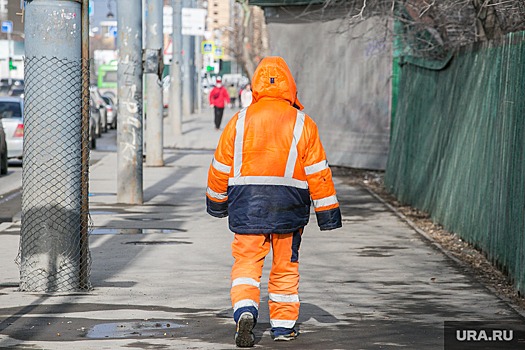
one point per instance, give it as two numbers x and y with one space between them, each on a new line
273 79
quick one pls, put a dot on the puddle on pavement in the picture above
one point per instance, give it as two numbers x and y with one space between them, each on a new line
132 231
133 329
95 194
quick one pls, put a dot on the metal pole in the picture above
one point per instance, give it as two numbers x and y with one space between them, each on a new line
129 76
186 68
51 177
10 54
84 221
154 129
198 68
175 100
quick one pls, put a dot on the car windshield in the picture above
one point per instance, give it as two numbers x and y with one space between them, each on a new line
10 110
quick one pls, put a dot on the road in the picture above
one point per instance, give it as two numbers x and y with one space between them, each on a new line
11 184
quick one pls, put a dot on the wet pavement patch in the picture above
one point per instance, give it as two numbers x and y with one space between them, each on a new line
147 329
157 242
132 231
9 285
94 194
378 251
101 212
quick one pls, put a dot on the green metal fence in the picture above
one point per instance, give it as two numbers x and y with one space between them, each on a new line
458 148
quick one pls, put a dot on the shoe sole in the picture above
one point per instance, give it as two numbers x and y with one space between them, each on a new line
244 337
284 338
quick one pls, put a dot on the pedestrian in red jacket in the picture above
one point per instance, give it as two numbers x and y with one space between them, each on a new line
219 97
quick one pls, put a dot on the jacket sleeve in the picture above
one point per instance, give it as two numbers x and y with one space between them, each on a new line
219 173
320 183
210 97
226 96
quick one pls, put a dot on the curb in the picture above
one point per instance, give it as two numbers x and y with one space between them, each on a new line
449 255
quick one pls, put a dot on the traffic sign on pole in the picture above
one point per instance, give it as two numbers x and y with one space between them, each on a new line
218 53
207 47
7 26
193 21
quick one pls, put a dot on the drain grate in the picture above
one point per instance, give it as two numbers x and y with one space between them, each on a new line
157 242
133 231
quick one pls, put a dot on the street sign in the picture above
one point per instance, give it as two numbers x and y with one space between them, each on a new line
207 47
218 53
168 53
193 21
91 8
7 26
113 31
167 23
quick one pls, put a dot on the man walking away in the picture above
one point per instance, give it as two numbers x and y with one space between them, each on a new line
268 168
218 99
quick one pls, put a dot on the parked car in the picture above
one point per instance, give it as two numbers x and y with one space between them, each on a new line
94 122
111 111
11 87
101 105
17 91
3 151
12 116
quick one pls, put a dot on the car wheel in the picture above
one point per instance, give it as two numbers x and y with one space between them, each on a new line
3 163
92 139
97 129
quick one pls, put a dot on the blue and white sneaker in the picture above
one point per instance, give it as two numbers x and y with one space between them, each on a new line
244 337
284 334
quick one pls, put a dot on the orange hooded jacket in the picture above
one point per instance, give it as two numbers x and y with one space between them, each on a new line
270 162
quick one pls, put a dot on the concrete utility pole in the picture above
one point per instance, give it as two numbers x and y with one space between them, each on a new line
175 100
50 239
198 66
186 68
129 131
154 128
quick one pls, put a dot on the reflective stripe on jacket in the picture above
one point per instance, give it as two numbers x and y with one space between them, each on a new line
270 162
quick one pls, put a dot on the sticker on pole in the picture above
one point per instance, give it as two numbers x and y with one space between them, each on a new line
193 21
7 26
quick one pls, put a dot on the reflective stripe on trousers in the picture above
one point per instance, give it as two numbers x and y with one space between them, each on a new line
249 251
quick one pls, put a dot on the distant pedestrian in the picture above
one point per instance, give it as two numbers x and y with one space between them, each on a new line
232 92
246 96
268 167
218 99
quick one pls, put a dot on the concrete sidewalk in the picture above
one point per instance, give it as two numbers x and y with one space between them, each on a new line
160 273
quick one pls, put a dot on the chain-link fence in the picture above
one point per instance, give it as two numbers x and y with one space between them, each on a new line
54 254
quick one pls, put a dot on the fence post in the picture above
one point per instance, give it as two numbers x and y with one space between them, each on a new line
129 76
154 111
51 245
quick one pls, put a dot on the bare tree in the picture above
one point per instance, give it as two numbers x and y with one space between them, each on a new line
431 28
251 39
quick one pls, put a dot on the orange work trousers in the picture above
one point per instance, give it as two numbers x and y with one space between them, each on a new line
249 251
